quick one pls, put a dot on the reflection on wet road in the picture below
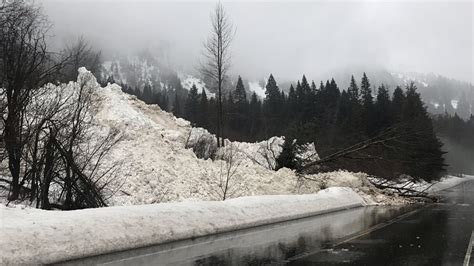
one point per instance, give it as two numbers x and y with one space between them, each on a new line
437 235
378 235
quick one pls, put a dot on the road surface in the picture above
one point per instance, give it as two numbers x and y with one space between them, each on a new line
438 235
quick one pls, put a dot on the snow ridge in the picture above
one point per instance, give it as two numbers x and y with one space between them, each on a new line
49 237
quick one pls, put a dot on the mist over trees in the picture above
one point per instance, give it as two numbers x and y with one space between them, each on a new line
458 136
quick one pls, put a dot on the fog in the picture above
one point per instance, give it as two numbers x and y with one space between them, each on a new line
283 38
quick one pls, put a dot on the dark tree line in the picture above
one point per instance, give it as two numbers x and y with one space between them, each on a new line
401 131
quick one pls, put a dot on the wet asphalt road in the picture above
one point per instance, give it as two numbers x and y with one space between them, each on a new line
436 235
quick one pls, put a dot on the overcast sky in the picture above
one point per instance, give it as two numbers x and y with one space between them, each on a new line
284 38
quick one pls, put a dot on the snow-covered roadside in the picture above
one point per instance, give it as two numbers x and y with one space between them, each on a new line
38 236
449 182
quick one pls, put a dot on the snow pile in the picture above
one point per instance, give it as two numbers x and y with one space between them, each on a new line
49 236
156 166
359 182
263 153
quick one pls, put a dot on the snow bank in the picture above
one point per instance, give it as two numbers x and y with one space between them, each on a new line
449 182
36 236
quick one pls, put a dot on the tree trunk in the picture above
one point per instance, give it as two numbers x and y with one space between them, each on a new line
13 147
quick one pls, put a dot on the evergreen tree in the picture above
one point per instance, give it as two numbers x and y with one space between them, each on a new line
287 157
255 116
367 105
239 93
366 92
423 155
353 91
382 112
192 105
292 103
147 96
306 103
398 101
177 106
344 113
203 110
299 97
314 89
272 107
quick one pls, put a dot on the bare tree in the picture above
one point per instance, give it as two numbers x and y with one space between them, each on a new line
25 65
80 54
226 184
63 156
217 56
47 129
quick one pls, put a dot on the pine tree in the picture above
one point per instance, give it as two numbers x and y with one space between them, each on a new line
287 157
239 93
398 101
344 113
366 92
367 101
353 91
333 92
292 103
147 94
203 110
272 107
382 112
299 97
272 92
423 155
177 106
192 105
306 101
255 116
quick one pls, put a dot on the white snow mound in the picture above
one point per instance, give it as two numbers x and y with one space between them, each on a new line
49 237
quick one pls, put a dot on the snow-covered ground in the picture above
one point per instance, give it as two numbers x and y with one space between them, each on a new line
37 236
